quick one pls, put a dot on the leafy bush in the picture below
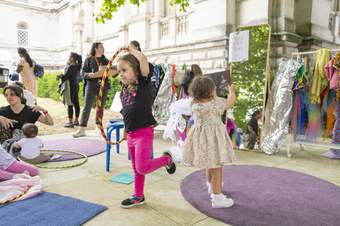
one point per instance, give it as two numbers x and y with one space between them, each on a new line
48 88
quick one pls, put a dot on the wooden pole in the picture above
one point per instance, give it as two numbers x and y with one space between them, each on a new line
266 86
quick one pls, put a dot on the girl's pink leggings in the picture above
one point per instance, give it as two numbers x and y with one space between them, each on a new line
140 145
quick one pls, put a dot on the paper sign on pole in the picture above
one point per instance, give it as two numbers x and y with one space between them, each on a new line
239 46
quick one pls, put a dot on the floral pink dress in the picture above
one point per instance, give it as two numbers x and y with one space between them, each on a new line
207 144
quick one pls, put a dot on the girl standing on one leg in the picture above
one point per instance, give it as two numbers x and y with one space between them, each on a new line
207 144
139 122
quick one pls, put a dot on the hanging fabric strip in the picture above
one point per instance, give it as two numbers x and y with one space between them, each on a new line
327 113
330 121
296 113
156 80
336 130
338 88
319 81
313 129
303 120
173 72
165 97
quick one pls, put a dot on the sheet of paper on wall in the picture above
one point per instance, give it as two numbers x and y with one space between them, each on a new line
116 105
239 46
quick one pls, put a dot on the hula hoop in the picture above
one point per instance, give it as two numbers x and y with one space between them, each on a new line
16 197
44 166
100 99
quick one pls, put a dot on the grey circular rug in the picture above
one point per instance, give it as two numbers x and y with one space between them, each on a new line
266 196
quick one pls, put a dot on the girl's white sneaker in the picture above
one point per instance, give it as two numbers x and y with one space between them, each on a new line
221 201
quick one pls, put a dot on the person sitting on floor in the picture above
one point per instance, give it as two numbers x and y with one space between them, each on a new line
16 114
31 145
9 167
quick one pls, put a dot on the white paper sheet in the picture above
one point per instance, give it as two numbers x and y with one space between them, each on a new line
239 46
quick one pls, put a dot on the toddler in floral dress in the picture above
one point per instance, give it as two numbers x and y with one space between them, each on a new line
207 144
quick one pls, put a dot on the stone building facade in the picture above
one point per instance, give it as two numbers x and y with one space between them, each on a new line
50 29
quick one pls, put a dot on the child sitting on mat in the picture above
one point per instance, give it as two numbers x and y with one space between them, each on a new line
207 144
9 167
31 145
136 98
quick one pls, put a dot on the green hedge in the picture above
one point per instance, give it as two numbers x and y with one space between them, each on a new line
48 88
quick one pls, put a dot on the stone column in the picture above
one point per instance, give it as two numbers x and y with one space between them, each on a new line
231 16
284 40
89 21
73 39
78 31
78 16
147 18
123 35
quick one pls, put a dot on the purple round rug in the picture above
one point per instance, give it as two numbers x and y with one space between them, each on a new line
266 196
85 146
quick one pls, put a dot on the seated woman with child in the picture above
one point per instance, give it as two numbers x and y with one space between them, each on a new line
16 114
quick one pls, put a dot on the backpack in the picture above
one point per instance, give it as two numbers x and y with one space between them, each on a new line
14 77
38 71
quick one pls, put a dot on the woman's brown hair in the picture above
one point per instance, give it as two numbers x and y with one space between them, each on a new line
201 88
17 90
94 47
196 70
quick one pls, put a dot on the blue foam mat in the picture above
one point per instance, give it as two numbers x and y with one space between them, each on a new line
48 209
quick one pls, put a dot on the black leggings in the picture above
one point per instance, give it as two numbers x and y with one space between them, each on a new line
75 101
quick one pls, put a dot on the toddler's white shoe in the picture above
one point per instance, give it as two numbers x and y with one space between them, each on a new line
221 201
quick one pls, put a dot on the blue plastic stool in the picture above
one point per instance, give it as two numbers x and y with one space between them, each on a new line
113 125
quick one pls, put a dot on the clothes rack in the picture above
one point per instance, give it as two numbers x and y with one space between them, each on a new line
323 143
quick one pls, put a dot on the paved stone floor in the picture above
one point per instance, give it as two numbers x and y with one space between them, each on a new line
165 204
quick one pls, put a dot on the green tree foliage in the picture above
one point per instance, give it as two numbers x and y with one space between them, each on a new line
249 76
111 6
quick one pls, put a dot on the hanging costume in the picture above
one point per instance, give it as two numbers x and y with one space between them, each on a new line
279 105
165 97
319 81
318 85
336 130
